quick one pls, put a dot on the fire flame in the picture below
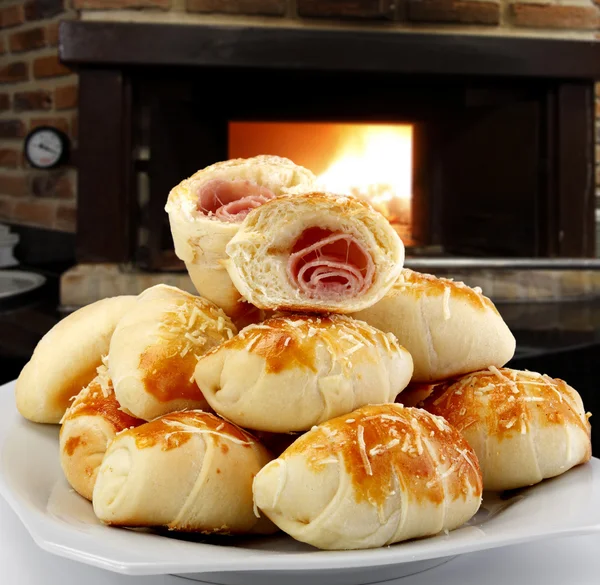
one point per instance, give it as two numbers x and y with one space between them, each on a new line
374 162
366 160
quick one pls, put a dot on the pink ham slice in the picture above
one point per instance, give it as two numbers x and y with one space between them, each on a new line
233 200
330 266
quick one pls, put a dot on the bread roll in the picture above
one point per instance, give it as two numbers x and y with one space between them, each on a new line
379 475
448 328
66 358
315 252
188 471
155 348
292 372
89 425
524 427
205 212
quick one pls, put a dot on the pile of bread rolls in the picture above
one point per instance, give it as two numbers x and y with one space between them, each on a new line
314 386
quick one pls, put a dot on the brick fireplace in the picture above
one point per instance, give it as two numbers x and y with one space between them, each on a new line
35 87
502 140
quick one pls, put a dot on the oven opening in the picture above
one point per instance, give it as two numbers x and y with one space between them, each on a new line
365 160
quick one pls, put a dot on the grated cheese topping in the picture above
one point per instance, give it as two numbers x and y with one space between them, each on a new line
446 303
363 450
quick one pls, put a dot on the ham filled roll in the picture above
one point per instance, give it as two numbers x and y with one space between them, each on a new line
315 252
206 210
376 476
292 372
449 328
156 346
187 471
88 427
524 427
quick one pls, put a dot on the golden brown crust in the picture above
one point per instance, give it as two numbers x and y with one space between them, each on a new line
417 284
290 341
167 376
99 401
511 399
173 430
382 443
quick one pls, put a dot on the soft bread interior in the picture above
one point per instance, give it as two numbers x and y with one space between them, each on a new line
259 253
200 240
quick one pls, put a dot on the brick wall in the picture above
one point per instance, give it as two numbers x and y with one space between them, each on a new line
35 90
524 17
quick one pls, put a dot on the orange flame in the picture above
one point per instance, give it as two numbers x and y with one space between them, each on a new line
366 160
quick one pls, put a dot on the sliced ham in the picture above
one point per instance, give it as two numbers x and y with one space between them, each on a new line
233 200
329 265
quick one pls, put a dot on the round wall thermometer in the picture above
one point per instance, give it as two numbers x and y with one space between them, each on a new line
46 147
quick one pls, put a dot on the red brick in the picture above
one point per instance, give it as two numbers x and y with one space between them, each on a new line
14 72
555 16
52 184
267 7
4 102
42 9
9 157
458 11
12 129
39 212
11 16
60 123
26 101
52 34
28 40
66 217
49 67
15 185
347 8
6 207
65 97
116 4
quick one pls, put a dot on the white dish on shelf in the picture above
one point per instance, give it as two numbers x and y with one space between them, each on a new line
63 523
18 282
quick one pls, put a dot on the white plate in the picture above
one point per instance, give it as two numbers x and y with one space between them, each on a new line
63 523
17 282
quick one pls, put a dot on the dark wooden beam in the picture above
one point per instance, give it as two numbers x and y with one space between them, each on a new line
141 44
105 206
575 170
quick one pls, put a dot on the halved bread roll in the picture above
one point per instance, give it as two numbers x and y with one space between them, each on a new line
524 427
449 328
88 427
154 350
379 475
315 252
292 372
205 212
66 358
188 471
